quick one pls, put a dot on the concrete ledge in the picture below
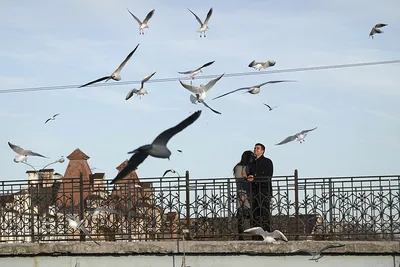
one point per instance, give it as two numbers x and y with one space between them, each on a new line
194 247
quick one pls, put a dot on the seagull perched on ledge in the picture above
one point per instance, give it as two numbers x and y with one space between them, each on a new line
299 137
158 148
268 237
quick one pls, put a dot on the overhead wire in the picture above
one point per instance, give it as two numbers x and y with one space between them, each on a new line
227 75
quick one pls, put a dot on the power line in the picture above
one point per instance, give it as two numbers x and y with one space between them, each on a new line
237 74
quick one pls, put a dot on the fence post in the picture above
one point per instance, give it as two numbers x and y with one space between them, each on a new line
187 201
81 204
296 202
32 211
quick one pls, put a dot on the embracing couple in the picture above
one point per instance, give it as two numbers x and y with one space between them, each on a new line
254 189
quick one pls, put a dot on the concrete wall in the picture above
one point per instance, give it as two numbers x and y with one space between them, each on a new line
198 254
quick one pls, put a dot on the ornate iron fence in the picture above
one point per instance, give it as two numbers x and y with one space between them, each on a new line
340 208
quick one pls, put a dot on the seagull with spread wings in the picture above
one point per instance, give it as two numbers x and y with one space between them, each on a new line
298 137
116 74
22 154
193 73
261 65
143 25
268 237
200 92
204 25
255 89
316 255
158 148
376 29
51 118
140 91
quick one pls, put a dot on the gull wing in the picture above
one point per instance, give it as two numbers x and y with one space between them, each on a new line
243 88
185 72
208 16
256 231
206 65
148 77
55 115
280 81
49 119
17 149
287 140
163 138
306 131
106 210
136 18
252 63
31 153
167 171
148 17
198 19
126 60
380 25
95 81
278 235
268 106
213 110
331 246
131 92
133 162
191 88
211 83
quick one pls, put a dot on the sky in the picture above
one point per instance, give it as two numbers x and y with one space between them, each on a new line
356 110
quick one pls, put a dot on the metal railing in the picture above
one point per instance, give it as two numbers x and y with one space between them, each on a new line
337 208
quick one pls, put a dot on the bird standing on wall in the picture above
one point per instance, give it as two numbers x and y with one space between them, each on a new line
268 237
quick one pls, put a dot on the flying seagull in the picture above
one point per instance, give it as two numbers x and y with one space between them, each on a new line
171 171
179 150
193 73
75 224
270 108
143 25
316 255
268 237
140 91
204 26
116 74
158 148
200 92
22 154
51 118
298 137
376 29
255 89
262 65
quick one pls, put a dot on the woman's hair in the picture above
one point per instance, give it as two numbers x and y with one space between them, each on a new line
247 157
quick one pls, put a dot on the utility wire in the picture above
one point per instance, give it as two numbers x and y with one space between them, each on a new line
237 74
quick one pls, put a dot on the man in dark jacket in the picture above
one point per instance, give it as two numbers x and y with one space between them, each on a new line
261 171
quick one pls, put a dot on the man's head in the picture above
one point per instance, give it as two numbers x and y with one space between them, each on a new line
259 150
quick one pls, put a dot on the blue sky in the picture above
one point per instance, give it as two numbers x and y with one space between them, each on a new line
45 43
